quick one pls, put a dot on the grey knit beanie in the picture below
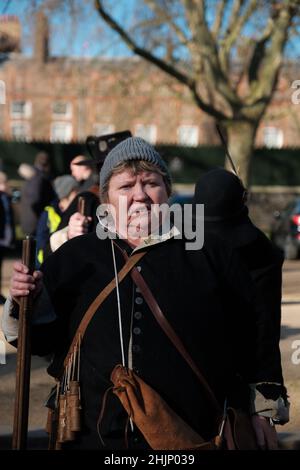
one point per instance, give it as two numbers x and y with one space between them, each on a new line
133 148
64 185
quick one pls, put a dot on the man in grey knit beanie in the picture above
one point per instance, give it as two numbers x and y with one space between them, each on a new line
133 148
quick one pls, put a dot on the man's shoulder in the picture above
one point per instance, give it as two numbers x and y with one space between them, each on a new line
83 248
88 242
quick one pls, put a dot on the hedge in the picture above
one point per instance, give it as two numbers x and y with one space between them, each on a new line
269 166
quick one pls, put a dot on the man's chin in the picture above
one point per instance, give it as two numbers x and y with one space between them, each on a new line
139 230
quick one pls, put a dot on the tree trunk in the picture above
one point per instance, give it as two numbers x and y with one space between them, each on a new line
240 141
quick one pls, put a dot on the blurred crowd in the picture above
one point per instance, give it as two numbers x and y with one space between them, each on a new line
47 204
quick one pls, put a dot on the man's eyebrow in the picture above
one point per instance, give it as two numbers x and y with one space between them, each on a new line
126 181
150 176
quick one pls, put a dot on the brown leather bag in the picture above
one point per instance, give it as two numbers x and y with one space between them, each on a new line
162 428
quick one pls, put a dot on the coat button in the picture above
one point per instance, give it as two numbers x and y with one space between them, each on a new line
136 348
137 330
137 315
139 300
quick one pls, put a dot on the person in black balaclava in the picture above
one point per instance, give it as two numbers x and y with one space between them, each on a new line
226 214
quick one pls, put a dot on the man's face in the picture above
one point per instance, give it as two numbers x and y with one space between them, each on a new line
132 197
79 172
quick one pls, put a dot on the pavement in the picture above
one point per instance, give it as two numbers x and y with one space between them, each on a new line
41 383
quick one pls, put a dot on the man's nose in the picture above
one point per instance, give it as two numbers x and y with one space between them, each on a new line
139 193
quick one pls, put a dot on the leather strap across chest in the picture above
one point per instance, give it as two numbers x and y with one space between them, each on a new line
130 263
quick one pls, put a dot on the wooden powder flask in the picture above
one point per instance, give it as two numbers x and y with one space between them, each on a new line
69 407
81 205
50 419
69 435
61 418
74 406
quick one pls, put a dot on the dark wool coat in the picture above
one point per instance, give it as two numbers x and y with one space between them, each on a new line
207 297
263 261
36 193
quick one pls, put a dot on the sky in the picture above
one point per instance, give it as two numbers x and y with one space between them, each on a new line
87 36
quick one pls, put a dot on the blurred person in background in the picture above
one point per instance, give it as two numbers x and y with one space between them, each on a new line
37 191
73 223
84 173
42 163
7 226
66 188
226 215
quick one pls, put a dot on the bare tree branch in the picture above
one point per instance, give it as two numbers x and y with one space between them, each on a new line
233 33
259 51
166 67
235 93
216 28
235 12
205 47
165 17
267 67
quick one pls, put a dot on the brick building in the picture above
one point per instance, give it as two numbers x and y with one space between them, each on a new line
66 99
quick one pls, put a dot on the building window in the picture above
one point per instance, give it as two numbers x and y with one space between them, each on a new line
188 135
103 129
20 109
147 132
62 110
61 132
273 137
2 92
20 131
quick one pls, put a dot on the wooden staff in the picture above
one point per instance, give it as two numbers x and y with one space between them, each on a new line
23 356
81 205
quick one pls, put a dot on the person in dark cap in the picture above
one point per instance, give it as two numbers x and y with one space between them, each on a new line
84 171
202 308
226 214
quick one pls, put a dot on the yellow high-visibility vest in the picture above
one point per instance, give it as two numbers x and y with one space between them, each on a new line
53 222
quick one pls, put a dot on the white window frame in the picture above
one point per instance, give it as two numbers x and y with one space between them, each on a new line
67 125
103 129
188 134
26 113
67 114
273 137
26 136
147 132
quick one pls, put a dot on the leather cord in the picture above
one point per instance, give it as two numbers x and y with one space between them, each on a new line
130 262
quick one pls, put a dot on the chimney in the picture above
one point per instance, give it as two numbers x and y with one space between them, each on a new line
10 33
41 40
